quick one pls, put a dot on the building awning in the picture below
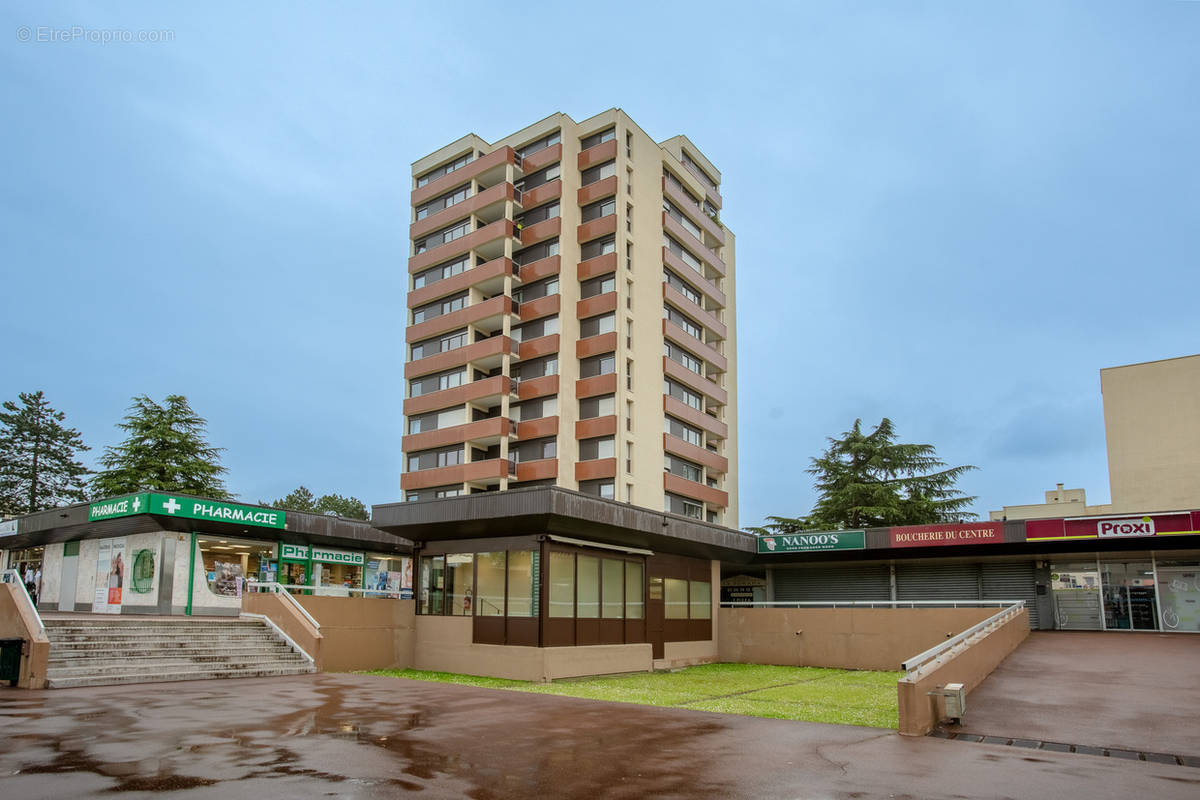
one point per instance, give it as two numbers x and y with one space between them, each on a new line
635 551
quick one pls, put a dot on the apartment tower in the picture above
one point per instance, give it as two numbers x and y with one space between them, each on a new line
572 320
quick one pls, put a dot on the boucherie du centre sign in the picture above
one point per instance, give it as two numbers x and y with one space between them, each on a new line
942 535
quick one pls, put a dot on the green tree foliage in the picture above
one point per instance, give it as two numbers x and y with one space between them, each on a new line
869 480
302 499
38 467
165 449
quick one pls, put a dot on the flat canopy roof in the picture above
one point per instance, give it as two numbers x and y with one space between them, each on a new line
73 522
554 510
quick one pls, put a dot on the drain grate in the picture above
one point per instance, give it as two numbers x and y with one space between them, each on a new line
1063 747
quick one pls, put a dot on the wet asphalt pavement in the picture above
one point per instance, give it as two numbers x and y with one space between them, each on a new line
371 737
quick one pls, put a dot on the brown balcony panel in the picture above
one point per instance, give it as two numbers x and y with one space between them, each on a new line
696 491
592 306
495 307
493 270
541 346
706 318
596 228
540 470
597 191
697 213
597 426
482 429
605 151
684 339
551 190
541 231
693 277
537 428
486 470
699 383
595 345
685 237
596 386
537 387
542 158
700 455
476 238
496 194
542 307
542 268
504 155
600 265
439 476
494 346
692 416
596 468
495 386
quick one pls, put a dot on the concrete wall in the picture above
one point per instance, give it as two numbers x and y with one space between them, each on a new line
847 638
17 621
969 666
363 633
288 618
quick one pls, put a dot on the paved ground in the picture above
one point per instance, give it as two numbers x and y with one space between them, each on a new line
361 736
1137 691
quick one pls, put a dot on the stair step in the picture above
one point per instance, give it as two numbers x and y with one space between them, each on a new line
119 670
140 659
161 677
68 654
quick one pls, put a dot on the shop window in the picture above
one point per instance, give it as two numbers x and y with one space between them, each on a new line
228 563
675 593
522 584
433 570
490 570
562 584
613 575
589 587
700 593
460 569
634 605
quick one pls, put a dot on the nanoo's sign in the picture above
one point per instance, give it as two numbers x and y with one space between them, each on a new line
940 535
299 552
814 541
1113 527
186 507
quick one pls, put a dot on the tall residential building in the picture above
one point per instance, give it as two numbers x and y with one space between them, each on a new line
572 319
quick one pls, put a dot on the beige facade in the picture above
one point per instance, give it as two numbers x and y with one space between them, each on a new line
572 319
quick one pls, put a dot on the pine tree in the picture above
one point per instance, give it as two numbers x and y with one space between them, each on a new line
165 450
38 467
303 500
299 500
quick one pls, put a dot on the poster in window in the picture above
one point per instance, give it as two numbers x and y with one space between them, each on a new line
110 576
227 579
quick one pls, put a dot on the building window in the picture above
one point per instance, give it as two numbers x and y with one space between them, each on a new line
677 215
535 329
536 291
436 420
681 286
447 200
535 368
681 356
538 408
562 585
683 394
440 308
595 326
540 214
536 252
598 173
441 344
445 169
597 138
600 447
603 208
686 599
540 144
435 383
682 253
595 286
542 176
597 248
684 469
681 430
674 504
683 321
441 272
433 459
535 450
592 407
490 584
597 365
456 231
603 487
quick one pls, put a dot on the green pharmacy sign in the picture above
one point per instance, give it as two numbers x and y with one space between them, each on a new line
186 508
814 541
119 507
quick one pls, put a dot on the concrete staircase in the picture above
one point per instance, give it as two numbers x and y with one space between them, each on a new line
102 651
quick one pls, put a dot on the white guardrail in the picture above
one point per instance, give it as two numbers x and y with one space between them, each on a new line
12 576
912 666
282 589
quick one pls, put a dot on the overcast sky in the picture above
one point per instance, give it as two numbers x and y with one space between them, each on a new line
951 214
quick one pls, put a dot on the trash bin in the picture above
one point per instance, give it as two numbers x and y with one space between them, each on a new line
10 660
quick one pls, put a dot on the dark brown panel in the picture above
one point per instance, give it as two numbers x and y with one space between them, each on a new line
587 632
522 631
612 631
597 468
593 305
541 346
594 345
600 265
558 632
597 426
487 630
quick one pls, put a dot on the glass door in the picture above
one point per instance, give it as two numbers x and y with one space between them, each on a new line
1075 589
1179 595
1129 597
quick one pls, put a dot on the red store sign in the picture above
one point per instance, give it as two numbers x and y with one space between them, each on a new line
1113 527
940 535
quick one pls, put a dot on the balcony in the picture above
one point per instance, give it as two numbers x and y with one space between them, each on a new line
600 265
596 191
592 306
542 307
487 393
489 242
489 471
710 192
489 200
605 151
541 231
595 345
542 158
540 470
487 316
707 422
700 455
484 354
706 318
488 278
537 387
536 348
596 386
597 426
493 165
695 491
537 428
699 383
596 468
685 271
551 190
542 268
698 348
684 202
485 432
596 228
685 237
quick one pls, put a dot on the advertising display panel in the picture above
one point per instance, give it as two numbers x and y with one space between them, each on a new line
1037 530
942 535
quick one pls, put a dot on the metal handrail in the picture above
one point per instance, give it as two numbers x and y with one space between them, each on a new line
912 666
12 576
866 603
282 588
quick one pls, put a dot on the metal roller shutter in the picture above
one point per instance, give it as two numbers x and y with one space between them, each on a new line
1015 581
835 582
937 581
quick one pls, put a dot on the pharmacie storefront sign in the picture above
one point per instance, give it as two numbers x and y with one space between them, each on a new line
186 508
941 535
812 542
1183 523
299 552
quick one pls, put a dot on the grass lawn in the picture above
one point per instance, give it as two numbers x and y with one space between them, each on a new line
810 694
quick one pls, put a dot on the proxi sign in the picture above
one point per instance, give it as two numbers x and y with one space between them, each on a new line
1178 524
1106 528
811 542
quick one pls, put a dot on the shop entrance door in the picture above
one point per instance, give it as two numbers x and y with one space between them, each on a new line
1130 600
1075 587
